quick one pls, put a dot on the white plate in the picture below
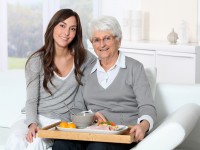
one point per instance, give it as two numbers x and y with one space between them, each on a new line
121 129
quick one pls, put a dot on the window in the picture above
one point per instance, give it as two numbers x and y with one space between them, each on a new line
22 24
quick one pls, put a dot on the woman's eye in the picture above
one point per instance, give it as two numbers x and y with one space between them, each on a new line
96 40
62 25
108 38
73 29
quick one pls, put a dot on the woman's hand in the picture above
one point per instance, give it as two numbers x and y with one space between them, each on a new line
33 129
99 117
140 130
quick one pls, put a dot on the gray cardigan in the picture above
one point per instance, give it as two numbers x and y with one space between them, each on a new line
39 101
124 101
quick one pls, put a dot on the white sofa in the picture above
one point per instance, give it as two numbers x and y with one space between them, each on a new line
178 124
12 99
178 108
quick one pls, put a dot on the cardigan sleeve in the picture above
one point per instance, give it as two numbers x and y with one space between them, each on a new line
143 94
32 74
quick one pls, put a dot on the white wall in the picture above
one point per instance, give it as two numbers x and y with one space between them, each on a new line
158 17
163 15
123 11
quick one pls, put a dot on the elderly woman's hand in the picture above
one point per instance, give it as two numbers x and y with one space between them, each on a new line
99 117
140 130
33 129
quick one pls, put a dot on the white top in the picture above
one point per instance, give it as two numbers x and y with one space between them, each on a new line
65 77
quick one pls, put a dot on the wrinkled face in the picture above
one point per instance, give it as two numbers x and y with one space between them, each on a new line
64 32
105 44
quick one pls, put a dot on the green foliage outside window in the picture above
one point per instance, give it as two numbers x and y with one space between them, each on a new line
16 63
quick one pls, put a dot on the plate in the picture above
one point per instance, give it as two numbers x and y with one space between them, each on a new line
121 129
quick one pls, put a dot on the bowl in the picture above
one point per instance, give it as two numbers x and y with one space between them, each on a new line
83 119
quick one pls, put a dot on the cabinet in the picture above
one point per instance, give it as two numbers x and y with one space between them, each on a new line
175 63
144 56
178 63
176 67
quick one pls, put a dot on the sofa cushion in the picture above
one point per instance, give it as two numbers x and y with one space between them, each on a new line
151 74
13 96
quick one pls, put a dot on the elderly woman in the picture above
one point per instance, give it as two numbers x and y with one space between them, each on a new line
115 87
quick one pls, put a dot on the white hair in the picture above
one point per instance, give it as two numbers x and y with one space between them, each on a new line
105 23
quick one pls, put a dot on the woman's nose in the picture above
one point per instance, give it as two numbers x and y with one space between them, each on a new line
67 32
102 43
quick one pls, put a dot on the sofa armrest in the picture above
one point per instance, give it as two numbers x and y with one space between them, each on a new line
12 97
173 130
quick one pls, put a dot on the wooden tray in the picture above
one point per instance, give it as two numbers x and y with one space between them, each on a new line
51 132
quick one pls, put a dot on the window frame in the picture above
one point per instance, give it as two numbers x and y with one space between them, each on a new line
3 36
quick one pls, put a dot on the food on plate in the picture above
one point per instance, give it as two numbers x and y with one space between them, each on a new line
71 125
65 124
108 125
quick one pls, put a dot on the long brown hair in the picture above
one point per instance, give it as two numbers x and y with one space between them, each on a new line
47 51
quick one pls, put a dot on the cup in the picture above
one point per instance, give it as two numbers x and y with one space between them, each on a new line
83 119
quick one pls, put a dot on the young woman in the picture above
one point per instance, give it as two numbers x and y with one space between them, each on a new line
53 74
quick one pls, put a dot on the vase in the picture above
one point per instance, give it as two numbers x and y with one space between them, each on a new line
172 37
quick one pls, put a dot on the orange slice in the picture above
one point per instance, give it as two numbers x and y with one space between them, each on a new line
63 124
71 125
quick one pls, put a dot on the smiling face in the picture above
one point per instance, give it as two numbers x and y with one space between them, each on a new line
64 32
105 45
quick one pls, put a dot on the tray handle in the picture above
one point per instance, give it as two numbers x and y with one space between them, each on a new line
51 126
